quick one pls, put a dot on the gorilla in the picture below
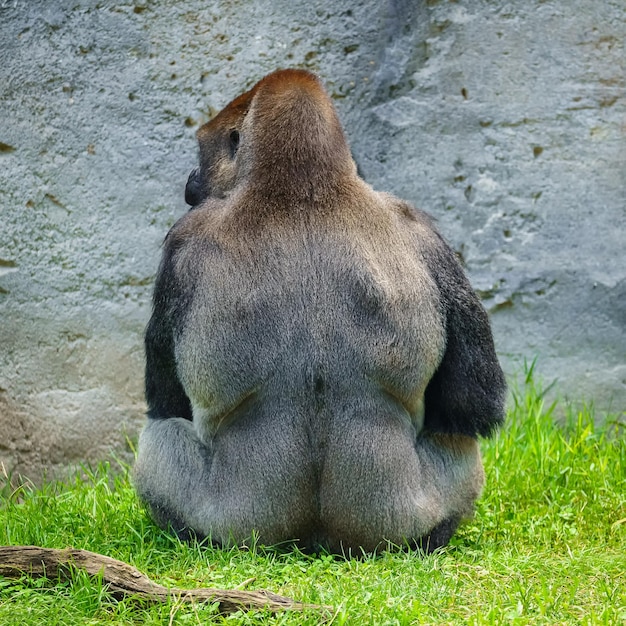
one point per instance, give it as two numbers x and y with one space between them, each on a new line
318 367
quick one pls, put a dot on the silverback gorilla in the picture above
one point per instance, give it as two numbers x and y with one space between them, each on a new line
318 366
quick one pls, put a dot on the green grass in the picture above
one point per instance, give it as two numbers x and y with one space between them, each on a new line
547 545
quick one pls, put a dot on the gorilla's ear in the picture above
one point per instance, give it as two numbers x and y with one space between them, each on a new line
234 142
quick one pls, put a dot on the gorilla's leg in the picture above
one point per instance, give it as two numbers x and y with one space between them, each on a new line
171 475
380 484
452 464
439 536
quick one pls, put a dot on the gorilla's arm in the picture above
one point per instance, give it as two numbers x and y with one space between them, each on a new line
164 392
467 392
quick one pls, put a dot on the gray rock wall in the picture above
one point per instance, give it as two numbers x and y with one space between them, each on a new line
506 120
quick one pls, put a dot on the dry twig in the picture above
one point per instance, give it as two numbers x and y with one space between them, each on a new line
124 580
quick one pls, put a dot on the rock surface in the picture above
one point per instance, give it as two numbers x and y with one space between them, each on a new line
504 120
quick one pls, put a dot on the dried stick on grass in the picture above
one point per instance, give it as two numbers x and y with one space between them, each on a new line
124 580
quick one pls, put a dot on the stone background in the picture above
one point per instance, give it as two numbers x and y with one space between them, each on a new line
506 120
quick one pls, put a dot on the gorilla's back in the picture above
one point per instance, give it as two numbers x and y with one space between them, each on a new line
314 306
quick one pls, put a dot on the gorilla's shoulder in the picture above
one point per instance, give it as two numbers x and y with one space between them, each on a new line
200 223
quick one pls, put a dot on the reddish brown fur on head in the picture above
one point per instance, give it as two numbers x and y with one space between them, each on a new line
228 118
277 82
292 134
288 140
